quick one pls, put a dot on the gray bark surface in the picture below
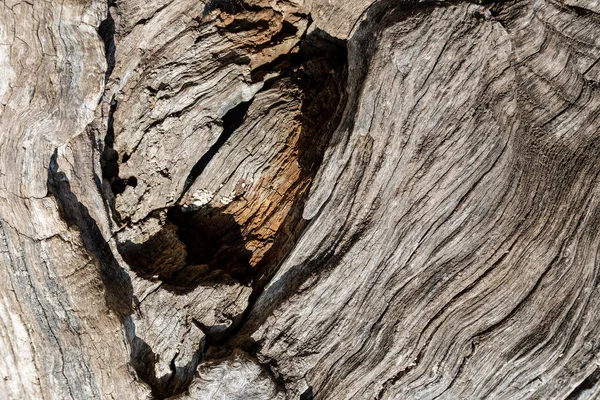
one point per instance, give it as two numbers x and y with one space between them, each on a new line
298 199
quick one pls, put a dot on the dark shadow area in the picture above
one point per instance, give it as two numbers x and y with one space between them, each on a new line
109 160
193 248
586 386
119 292
227 6
143 360
232 57
322 78
106 30
214 239
160 257
307 394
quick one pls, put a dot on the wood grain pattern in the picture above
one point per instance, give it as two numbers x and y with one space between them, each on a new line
251 199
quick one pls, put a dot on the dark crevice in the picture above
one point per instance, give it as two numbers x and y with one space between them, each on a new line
286 65
307 394
229 6
120 184
231 122
586 386
287 30
242 25
232 57
106 30
208 245
201 247
144 360
226 6
213 239
109 160
214 337
119 291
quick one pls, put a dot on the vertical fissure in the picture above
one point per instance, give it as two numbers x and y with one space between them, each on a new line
231 121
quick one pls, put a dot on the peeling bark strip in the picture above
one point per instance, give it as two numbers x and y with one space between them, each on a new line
249 199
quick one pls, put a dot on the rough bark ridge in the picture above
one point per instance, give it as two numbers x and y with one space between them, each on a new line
252 199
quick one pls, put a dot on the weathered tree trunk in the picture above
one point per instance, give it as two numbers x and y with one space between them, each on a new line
252 199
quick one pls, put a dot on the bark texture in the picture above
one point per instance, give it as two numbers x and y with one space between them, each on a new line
301 199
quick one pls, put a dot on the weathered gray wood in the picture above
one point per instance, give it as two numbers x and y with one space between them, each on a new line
251 199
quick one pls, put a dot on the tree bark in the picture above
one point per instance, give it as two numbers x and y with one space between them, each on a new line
252 199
